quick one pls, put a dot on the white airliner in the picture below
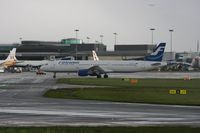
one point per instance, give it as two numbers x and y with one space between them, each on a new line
29 63
10 60
194 65
97 68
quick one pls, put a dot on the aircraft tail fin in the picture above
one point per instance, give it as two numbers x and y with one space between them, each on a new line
12 55
95 57
196 62
157 54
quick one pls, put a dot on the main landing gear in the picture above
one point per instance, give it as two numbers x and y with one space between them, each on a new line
99 76
54 75
105 76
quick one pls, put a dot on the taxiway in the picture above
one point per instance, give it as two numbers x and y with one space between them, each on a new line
22 104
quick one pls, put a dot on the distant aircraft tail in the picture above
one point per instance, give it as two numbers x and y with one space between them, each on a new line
196 62
12 55
10 60
157 54
95 57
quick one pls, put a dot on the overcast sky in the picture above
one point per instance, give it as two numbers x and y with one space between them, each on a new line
52 20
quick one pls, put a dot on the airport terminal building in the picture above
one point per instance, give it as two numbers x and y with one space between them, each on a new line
39 50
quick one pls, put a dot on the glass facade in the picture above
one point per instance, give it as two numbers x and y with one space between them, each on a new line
71 41
38 50
7 47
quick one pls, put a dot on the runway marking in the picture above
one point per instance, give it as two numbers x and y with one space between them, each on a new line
47 112
108 114
134 119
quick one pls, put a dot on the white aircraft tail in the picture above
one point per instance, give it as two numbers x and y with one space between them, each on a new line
95 57
10 60
12 55
196 62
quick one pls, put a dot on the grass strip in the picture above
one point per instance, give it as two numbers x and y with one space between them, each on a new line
99 130
144 91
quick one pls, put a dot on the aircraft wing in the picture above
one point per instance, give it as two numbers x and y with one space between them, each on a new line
96 70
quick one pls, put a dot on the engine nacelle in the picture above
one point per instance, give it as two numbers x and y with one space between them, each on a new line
86 72
83 72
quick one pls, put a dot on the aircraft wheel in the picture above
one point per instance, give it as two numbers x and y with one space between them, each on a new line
98 76
105 76
54 76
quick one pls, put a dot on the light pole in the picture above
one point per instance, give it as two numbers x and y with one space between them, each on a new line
76 50
88 39
115 37
76 31
197 47
171 31
152 29
101 36
20 40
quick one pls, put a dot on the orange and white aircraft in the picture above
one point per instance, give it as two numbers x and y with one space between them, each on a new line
10 60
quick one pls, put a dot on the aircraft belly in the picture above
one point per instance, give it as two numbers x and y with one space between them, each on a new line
72 68
130 68
123 69
68 68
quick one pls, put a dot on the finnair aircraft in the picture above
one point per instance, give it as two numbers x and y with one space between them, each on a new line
157 54
97 68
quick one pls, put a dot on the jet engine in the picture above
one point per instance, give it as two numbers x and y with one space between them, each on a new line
86 72
83 72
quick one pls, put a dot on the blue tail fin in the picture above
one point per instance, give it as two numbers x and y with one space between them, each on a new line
157 54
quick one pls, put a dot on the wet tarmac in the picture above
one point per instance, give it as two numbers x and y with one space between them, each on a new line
22 104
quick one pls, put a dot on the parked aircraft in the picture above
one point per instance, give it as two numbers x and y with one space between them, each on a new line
97 68
10 60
